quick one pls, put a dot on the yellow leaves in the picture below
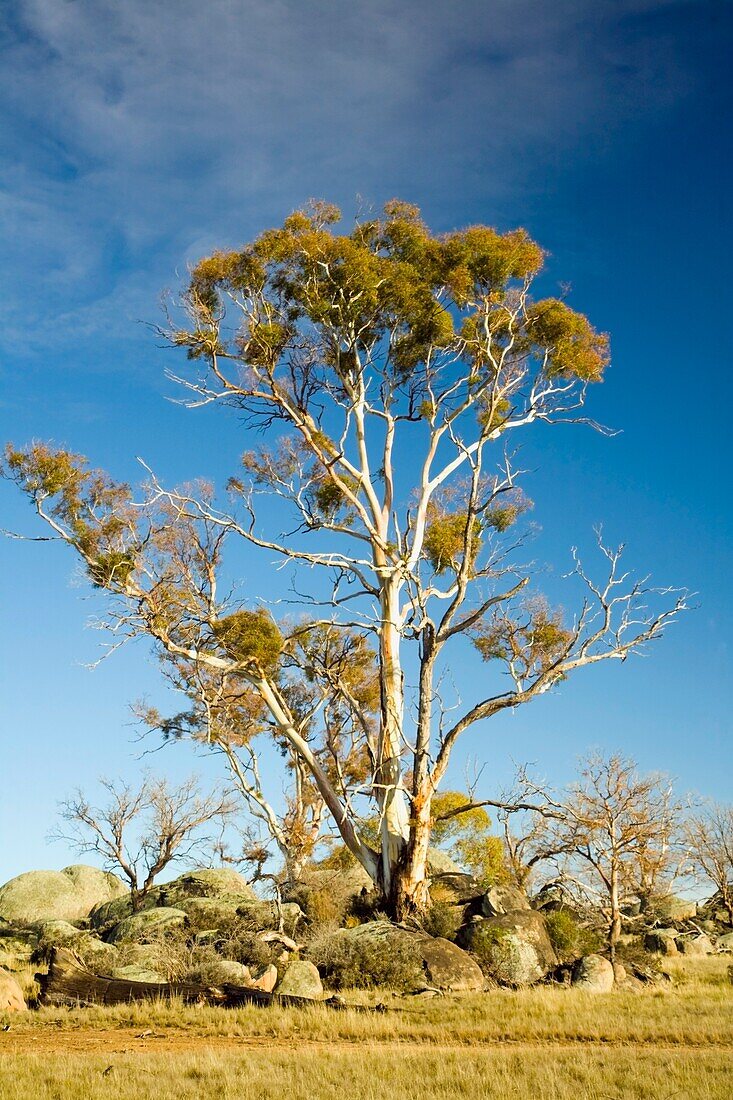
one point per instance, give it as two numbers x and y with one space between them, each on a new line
446 539
250 637
266 343
574 349
44 472
329 497
531 642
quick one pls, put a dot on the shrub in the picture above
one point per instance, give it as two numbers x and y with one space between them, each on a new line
367 962
564 933
443 920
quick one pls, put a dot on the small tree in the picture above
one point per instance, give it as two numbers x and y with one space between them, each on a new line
609 822
140 830
709 836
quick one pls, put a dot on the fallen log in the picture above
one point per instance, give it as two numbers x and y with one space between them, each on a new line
70 983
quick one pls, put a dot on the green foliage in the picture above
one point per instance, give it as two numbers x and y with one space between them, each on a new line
389 278
446 539
250 637
467 836
443 919
330 498
532 644
367 962
565 934
573 347
95 511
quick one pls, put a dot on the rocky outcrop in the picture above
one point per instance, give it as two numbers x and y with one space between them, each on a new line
672 908
593 974
499 900
38 896
215 882
224 911
513 948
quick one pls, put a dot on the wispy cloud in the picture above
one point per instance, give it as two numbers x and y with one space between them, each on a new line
145 132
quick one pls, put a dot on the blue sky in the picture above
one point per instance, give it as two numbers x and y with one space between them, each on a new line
138 136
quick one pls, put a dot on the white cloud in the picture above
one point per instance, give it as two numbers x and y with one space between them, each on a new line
144 129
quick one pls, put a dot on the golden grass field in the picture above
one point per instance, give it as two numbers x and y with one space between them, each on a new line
669 1042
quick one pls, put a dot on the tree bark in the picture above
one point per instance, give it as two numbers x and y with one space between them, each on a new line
393 807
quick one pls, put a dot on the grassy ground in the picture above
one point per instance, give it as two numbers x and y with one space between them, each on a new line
674 1041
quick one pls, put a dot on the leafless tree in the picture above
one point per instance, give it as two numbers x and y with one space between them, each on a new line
139 830
615 826
709 836
397 364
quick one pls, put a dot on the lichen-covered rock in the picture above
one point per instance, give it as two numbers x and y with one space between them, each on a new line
57 933
146 925
725 943
594 974
214 882
499 900
694 945
661 941
227 970
513 948
454 887
38 896
95 953
672 908
449 967
109 913
301 979
11 995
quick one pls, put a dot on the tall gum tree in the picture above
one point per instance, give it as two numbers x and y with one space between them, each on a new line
396 366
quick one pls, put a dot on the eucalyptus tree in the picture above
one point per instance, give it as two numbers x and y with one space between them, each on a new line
393 366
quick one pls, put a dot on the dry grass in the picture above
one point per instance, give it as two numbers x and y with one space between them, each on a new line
674 1040
371 1075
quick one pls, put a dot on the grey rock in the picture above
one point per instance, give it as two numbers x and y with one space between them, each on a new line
448 967
234 973
499 900
672 908
513 948
661 941
214 882
301 979
594 974
133 973
146 925
38 896
694 945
